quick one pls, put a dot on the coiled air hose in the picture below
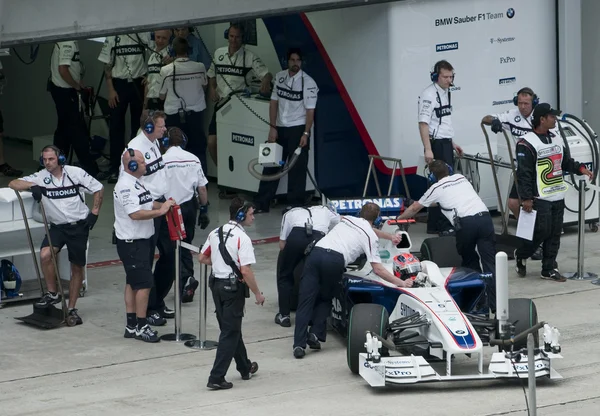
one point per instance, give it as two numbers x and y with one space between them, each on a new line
276 176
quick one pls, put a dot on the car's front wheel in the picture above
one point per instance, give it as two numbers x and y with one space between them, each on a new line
364 317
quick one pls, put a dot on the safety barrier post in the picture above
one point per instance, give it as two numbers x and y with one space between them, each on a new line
201 343
580 274
177 336
532 411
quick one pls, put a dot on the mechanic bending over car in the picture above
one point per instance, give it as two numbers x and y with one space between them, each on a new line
324 268
542 188
470 217
299 227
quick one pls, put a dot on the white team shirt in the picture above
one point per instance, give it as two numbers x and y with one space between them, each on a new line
184 174
452 193
321 218
434 97
64 197
235 69
65 53
352 237
294 95
237 243
515 123
154 66
130 195
129 51
155 179
186 88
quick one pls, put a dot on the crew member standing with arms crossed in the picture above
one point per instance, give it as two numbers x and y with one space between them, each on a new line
69 218
186 184
291 114
135 210
436 130
229 251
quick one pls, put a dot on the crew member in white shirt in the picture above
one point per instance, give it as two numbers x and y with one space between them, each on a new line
135 210
154 128
436 130
186 184
182 87
67 91
70 220
231 281
229 74
299 228
324 268
125 61
465 210
156 61
291 114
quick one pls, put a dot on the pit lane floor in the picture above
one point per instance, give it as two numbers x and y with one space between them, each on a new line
91 369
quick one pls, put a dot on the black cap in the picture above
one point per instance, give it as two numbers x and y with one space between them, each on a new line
544 109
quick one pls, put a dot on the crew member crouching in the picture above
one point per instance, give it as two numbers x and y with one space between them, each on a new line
70 220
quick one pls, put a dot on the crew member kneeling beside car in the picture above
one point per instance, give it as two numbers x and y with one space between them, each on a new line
471 219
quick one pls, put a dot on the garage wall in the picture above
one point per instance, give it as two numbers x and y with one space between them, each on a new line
590 57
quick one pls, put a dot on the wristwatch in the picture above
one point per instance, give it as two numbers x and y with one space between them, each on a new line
306 133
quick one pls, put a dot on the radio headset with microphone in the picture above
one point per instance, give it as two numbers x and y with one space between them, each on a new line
432 179
62 160
435 73
528 91
242 213
165 141
149 123
132 165
378 222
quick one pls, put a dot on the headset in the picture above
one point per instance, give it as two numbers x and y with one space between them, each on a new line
529 91
240 215
238 26
378 222
435 74
149 123
132 165
62 160
165 141
432 179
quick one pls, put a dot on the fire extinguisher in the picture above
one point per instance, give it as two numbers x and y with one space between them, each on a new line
175 223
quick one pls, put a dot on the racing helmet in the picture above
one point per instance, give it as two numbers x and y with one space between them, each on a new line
406 266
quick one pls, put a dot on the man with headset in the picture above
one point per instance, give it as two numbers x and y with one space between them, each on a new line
291 114
229 251
469 216
63 189
196 51
124 70
66 89
324 268
157 59
436 130
154 128
299 227
135 210
228 74
182 87
186 184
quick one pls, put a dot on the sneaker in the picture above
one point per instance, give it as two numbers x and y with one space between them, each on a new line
129 332
48 299
521 266
553 275
538 255
8 170
253 370
283 320
167 313
299 352
313 342
189 290
221 385
78 320
146 334
155 319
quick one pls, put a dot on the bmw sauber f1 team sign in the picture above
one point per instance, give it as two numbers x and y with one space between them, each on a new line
389 205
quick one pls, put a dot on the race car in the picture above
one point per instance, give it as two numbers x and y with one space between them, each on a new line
402 335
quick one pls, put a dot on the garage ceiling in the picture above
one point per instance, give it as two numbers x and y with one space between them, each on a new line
35 21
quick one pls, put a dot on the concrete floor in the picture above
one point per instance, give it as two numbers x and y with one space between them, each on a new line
91 369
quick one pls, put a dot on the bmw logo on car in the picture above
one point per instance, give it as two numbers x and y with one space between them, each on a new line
266 151
510 13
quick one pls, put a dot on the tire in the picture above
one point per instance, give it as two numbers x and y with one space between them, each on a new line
441 251
364 317
523 314
297 276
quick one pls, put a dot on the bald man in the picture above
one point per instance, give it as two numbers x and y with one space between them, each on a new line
135 211
157 59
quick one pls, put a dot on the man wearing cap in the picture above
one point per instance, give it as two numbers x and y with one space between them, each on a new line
541 160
